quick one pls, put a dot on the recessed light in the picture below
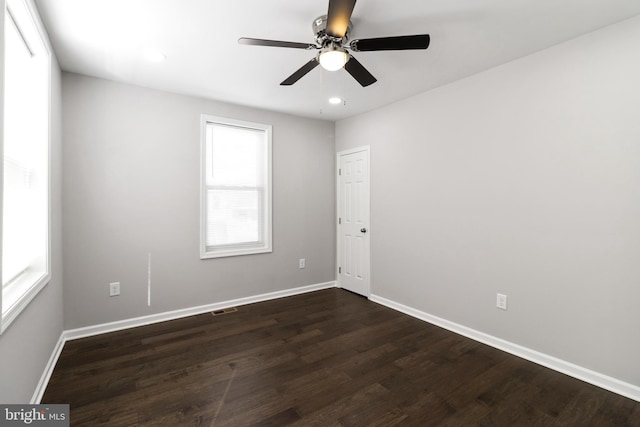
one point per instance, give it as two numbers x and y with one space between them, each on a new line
335 100
155 55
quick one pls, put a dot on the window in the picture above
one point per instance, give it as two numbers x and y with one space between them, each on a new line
25 169
235 188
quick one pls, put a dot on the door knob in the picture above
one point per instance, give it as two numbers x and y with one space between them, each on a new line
363 230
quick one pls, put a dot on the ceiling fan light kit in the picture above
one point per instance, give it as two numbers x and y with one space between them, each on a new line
333 58
332 37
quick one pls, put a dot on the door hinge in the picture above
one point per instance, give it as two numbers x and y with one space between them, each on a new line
339 220
339 171
339 270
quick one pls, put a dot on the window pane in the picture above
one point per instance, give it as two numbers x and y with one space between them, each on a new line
237 156
25 233
17 252
25 154
233 217
236 187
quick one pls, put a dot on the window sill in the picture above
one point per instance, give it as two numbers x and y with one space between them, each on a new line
226 252
18 294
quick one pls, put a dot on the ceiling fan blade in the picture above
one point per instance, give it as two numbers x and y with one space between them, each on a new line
338 17
276 43
420 41
302 71
359 73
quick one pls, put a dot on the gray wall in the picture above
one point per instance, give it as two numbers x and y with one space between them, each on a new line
131 187
523 180
25 347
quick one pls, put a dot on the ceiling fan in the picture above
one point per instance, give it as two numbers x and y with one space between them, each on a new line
332 40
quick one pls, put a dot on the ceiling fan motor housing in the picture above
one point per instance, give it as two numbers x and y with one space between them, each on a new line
319 27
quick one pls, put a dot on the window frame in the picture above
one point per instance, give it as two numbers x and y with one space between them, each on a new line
207 252
27 284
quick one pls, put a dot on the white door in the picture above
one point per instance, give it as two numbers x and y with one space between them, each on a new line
353 221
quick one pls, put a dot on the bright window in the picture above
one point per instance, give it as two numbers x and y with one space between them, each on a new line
236 188
25 186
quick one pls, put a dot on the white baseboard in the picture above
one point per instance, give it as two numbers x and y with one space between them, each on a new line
48 370
88 331
604 381
119 325
600 380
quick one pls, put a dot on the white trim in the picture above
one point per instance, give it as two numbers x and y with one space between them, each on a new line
600 380
23 300
366 148
587 375
32 291
42 32
353 150
119 325
48 370
263 247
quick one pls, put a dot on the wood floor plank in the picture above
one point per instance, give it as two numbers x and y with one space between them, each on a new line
327 358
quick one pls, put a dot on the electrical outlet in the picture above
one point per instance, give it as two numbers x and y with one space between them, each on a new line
501 301
114 289
301 263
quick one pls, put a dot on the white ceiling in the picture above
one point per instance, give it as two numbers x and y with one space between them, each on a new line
107 39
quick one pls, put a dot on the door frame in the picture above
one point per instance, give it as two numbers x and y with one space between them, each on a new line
367 149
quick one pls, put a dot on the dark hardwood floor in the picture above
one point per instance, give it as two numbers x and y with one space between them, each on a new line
321 359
